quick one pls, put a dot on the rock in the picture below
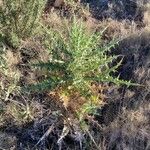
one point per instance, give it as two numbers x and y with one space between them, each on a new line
58 3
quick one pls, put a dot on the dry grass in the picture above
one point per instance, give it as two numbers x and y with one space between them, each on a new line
132 128
129 128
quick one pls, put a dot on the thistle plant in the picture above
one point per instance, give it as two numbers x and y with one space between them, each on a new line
19 19
78 59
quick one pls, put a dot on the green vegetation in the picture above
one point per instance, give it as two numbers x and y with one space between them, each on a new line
19 20
63 74
78 59
10 77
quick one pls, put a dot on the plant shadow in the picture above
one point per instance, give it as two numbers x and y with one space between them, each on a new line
136 68
116 9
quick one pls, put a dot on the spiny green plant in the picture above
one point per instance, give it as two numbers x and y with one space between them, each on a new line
77 60
19 19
